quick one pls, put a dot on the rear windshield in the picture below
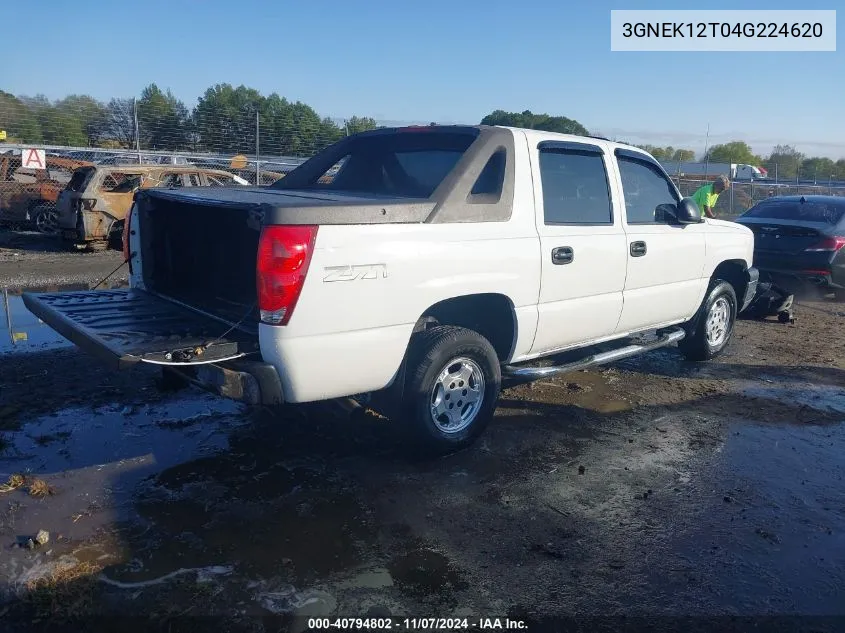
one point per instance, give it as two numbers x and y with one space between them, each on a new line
821 212
402 164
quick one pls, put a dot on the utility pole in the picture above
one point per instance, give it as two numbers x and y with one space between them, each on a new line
257 168
706 146
137 133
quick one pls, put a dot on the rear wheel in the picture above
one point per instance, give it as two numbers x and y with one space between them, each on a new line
451 388
715 324
46 220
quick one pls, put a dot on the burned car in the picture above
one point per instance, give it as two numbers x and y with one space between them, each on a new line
28 196
92 207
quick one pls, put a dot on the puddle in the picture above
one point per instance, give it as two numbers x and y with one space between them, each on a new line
93 460
769 511
244 507
22 331
822 398
425 572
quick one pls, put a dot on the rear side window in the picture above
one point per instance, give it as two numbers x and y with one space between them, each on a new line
822 212
492 177
217 180
575 189
646 191
117 182
170 180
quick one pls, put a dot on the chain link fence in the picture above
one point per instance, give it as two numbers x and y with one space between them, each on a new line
232 136
32 176
741 196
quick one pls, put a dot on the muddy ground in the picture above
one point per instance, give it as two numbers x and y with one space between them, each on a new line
652 488
30 259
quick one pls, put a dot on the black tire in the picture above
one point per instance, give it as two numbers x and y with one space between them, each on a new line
432 353
697 346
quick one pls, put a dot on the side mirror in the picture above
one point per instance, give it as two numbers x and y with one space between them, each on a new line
687 212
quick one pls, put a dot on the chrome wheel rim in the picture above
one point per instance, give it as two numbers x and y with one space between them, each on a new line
718 321
457 395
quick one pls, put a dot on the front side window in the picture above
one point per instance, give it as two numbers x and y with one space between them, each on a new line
646 191
575 189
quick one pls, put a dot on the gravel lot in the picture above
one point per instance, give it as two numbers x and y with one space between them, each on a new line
652 487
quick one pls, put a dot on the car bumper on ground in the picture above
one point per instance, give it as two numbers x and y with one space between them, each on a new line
821 278
752 280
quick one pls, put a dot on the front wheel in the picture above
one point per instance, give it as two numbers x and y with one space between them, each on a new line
715 324
451 388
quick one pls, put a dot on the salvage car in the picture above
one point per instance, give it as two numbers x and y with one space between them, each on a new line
94 203
800 239
28 196
435 264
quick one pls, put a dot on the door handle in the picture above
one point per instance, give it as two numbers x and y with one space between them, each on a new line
563 255
638 249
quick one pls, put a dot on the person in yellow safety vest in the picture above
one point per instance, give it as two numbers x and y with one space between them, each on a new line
705 197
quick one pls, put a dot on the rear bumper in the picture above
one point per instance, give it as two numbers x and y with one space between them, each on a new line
752 280
821 278
250 382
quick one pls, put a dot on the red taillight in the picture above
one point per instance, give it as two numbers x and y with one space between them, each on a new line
832 244
814 271
284 253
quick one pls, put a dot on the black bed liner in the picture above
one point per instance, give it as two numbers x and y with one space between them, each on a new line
127 326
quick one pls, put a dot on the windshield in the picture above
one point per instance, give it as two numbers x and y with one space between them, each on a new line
401 164
821 212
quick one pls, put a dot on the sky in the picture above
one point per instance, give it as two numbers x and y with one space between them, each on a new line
449 62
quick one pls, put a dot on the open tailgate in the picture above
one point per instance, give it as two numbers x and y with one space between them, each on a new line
127 326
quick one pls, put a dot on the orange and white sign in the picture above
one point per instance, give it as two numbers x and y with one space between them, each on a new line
33 158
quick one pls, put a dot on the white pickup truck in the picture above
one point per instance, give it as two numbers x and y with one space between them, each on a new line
417 269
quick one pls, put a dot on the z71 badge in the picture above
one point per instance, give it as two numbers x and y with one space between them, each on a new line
354 273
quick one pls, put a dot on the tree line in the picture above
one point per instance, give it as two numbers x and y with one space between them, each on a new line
784 161
225 119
